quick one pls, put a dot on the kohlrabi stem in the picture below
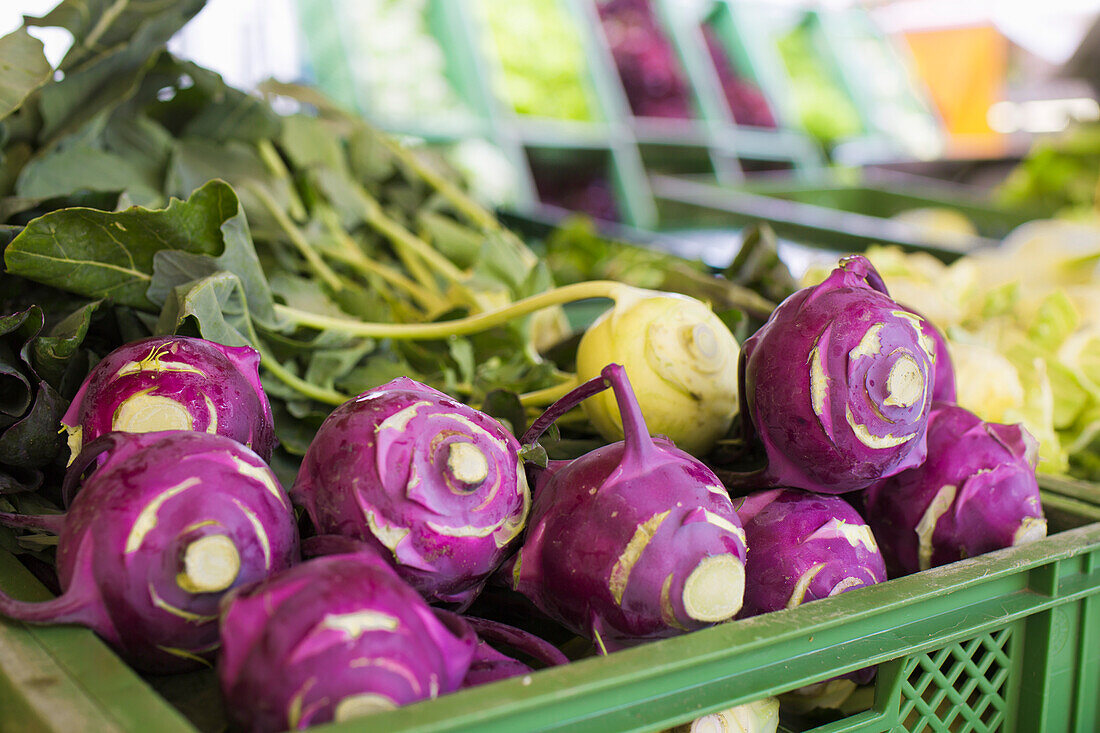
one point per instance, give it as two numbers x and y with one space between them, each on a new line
534 646
67 608
307 251
460 326
274 163
355 258
404 239
455 196
575 396
548 395
638 441
44 522
327 396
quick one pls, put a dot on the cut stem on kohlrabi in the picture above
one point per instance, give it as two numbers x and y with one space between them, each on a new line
664 550
166 525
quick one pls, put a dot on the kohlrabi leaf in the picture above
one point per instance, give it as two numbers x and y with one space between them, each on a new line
103 78
53 351
196 161
83 168
34 440
102 254
237 256
25 69
231 114
218 305
142 141
310 142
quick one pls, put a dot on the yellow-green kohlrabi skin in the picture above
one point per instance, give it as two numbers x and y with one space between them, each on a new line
681 359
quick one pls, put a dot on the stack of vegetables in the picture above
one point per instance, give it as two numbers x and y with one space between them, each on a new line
652 77
398 67
746 102
337 268
543 69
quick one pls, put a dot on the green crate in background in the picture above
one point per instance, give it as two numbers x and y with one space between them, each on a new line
892 103
732 142
837 216
1004 641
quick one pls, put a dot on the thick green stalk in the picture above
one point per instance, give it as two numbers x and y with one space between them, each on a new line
352 255
307 251
548 395
474 212
274 163
461 326
327 396
404 239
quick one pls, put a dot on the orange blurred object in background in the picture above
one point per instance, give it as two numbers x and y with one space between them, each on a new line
964 69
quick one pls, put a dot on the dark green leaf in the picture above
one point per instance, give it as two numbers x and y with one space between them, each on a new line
195 162
143 142
231 114
105 78
217 304
505 406
102 254
310 142
52 352
24 68
34 441
238 256
83 168
98 25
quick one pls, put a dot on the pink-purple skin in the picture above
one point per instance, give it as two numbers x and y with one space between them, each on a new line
976 493
218 386
490 665
383 470
122 543
641 506
837 384
803 547
943 385
335 636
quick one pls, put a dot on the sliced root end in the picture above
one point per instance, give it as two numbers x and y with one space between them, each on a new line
146 413
210 564
358 706
715 589
1031 529
467 463
905 383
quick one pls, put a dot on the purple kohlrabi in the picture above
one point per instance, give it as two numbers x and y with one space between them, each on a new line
159 533
336 637
802 547
976 493
943 383
636 540
435 485
837 384
174 383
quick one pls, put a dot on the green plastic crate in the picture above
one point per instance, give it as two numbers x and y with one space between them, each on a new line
835 216
1008 641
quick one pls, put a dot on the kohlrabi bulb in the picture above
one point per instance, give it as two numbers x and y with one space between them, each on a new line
804 547
174 383
336 638
634 541
838 383
681 359
435 485
976 493
168 523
